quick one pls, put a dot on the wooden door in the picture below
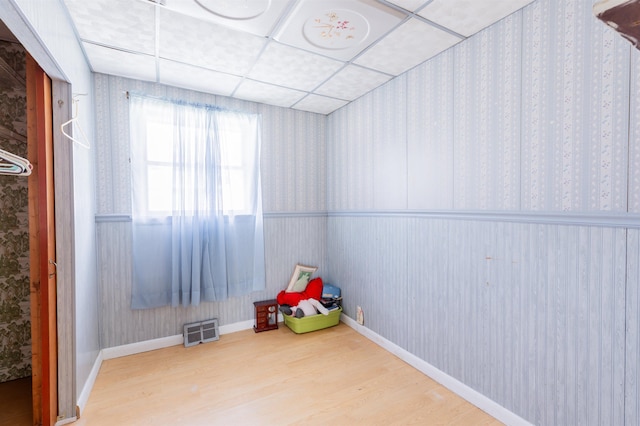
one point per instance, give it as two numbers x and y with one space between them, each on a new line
42 245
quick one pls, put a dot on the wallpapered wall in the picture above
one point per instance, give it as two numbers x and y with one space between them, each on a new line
293 181
483 210
15 323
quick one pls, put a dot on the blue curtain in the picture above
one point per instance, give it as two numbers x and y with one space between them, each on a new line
197 204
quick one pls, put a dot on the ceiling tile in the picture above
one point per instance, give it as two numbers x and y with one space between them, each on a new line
409 45
352 82
337 28
410 5
116 62
276 51
467 17
201 79
261 23
124 24
268 94
205 44
320 104
286 66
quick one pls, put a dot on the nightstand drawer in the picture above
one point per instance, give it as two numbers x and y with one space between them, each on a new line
266 315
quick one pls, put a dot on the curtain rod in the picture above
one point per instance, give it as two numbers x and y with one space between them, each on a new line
129 94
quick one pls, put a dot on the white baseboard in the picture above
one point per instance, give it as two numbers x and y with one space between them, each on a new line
66 421
88 386
237 326
140 347
165 342
474 397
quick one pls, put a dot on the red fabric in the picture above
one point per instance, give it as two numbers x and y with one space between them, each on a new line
313 291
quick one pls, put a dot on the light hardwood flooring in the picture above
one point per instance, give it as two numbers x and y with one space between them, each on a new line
329 377
15 403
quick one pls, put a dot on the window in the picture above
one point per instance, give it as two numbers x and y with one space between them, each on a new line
159 149
160 141
196 212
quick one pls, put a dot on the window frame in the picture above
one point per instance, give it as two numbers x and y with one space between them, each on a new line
227 170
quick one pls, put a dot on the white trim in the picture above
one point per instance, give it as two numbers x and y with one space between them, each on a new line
140 347
126 217
165 342
238 326
474 397
19 24
600 219
88 386
66 421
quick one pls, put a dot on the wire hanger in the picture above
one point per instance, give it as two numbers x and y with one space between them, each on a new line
85 141
11 164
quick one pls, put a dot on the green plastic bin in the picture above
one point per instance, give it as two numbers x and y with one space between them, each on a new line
312 322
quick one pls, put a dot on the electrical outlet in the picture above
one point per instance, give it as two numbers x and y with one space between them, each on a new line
359 315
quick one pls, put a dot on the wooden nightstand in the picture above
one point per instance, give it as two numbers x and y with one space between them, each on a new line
266 315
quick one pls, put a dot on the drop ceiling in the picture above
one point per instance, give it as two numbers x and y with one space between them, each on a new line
311 55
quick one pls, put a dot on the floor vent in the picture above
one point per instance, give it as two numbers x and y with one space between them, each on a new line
201 332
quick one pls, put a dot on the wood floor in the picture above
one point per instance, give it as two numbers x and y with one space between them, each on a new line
15 403
328 377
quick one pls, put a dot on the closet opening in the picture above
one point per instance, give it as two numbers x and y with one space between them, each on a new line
28 373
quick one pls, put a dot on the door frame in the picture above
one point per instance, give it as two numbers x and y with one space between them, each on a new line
63 153
60 386
14 18
42 246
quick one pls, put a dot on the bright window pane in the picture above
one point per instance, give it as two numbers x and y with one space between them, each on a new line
159 142
231 148
234 196
160 170
160 188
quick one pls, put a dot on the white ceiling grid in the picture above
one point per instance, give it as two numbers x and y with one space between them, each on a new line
173 73
287 66
312 55
269 94
467 17
352 82
387 57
